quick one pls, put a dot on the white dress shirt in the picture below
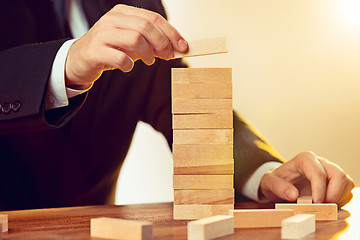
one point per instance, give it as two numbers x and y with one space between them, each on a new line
58 94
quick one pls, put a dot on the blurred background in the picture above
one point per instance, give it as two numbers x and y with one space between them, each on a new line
296 79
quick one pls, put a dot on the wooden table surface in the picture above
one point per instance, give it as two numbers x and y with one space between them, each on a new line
74 223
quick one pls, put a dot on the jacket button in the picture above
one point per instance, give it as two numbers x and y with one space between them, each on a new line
16 106
6 108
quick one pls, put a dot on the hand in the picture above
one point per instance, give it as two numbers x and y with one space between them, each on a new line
122 36
329 183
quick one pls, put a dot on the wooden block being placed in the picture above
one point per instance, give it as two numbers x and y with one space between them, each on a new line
304 200
203 120
193 182
4 222
187 212
210 228
209 197
113 228
204 47
202 154
324 211
201 75
201 90
298 226
203 136
259 218
189 105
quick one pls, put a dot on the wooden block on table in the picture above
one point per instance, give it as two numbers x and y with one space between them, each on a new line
4 222
304 200
190 105
113 228
210 228
201 154
209 197
201 90
187 212
201 75
298 226
204 47
324 211
203 136
193 182
203 120
259 218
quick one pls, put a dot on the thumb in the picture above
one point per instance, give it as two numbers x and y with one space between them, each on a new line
276 188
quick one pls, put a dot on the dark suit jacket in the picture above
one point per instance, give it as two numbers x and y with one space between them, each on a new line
72 156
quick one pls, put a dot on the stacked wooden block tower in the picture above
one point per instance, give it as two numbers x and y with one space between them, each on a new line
202 142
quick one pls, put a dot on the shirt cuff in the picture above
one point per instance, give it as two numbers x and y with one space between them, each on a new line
252 185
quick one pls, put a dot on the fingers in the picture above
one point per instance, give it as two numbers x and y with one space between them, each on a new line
276 188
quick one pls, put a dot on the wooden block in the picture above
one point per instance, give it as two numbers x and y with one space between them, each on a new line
202 90
187 212
201 75
210 228
259 218
209 197
187 106
324 211
304 200
203 120
203 136
113 228
298 226
220 169
4 222
202 154
193 182
204 47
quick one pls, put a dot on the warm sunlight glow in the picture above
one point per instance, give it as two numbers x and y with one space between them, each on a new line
350 9
352 231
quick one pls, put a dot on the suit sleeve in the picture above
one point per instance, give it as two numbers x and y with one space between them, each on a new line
25 72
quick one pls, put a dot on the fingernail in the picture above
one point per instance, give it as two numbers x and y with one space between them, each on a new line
290 195
183 45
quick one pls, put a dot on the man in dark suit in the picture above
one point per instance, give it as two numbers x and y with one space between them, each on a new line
71 154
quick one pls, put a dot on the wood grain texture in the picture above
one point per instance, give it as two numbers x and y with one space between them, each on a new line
201 75
209 197
260 218
210 228
188 212
114 228
324 211
4 223
298 226
220 169
188 105
204 120
203 136
202 90
204 47
200 154
193 182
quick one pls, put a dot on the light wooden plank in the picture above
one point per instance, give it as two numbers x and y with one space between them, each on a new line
203 120
204 47
323 211
298 226
188 105
259 218
304 199
188 212
202 154
4 222
210 197
202 90
221 169
203 136
210 228
203 182
114 228
201 75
